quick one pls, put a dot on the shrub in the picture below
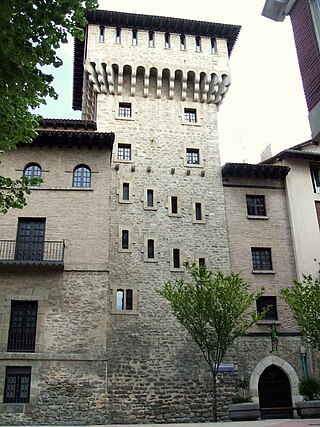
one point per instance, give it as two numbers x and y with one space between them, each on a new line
309 387
237 398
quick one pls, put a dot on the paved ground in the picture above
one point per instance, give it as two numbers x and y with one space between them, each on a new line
264 423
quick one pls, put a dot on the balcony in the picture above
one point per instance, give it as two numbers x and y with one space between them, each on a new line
35 254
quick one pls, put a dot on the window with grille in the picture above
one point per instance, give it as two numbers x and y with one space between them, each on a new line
256 205
32 170
124 151
17 384
23 323
193 156
125 109
190 115
81 177
261 258
266 301
124 299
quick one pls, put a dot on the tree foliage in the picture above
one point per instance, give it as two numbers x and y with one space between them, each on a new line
304 300
31 31
215 309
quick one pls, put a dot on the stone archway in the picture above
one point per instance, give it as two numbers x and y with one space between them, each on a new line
285 367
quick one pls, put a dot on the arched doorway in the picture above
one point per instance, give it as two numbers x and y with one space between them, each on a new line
275 393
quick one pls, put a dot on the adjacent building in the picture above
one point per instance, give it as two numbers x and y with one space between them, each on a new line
305 20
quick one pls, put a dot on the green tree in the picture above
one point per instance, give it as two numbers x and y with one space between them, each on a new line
31 31
304 300
215 309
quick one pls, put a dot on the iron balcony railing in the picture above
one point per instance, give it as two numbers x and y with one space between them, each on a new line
15 252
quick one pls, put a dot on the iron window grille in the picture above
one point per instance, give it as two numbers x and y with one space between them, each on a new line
23 323
32 170
17 384
261 258
266 301
256 205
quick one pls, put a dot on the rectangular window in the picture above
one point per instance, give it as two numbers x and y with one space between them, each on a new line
124 151
183 45
118 35
23 322
190 115
101 34
256 205
174 204
193 156
134 37
266 301
198 211
176 258
17 384
151 39
125 109
125 191
124 299
315 175
125 239
198 44
150 248
167 40
150 198
202 262
261 259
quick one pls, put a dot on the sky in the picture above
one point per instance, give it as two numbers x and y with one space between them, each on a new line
265 103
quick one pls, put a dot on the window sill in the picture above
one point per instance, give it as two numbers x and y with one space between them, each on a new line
268 322
176 270
257 217
122 161
61 189
263 272
124 312
151 260
129 119
154 208
198 221
191 124
194 165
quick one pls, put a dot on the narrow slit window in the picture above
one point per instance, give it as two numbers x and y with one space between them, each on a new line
151 39
101 34
120 299
125 239
183 45
150 248
126 191
167 40
213 45
176 258
129 299
134 37
198 211
118 35
150 198
174 204
198 44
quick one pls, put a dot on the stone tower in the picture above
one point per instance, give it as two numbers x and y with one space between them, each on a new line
157 83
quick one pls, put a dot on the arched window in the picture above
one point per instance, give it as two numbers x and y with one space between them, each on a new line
81 176
32 170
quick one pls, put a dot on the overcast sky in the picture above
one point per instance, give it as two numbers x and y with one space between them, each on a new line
265 103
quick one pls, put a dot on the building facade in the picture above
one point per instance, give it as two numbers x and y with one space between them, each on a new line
261 251
305 20
85 338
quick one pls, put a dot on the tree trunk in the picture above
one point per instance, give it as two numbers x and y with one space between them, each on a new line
214 398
